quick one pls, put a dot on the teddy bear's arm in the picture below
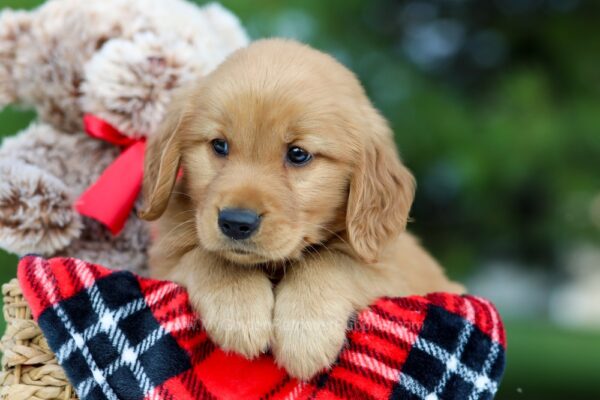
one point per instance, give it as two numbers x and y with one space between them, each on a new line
35 210
42 171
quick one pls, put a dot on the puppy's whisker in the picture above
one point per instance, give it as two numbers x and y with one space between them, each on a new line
317 253
178 226
311 250
184 212
183 194
319 226
175 247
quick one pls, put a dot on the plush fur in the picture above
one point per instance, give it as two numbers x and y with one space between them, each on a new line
120 60
332 233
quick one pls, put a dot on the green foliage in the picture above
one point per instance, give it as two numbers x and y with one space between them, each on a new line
546 362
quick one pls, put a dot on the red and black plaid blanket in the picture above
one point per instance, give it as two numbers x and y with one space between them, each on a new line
120 336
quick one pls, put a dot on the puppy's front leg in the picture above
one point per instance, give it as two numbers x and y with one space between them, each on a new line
235 302
313 304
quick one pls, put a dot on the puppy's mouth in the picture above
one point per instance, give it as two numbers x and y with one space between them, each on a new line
241 251
243 256
240 248
250 256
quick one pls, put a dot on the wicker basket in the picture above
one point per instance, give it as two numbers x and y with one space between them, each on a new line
29 368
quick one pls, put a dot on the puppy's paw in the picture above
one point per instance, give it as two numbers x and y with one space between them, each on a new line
307 339
239 318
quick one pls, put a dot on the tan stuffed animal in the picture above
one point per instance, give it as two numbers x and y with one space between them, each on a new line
119 60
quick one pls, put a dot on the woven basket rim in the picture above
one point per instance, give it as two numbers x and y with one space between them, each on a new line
30 370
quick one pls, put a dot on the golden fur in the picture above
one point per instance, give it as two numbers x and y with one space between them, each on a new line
332 234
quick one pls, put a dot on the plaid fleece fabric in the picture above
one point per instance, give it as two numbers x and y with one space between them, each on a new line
120 336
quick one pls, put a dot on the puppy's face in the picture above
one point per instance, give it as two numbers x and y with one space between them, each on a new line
268 170
280 150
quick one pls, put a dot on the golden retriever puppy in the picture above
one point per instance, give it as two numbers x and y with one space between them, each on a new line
290 212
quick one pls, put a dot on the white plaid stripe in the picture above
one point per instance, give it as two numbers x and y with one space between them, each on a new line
465 372
117 337
495 320
441 354
488 385
42 277
181 323
120 343
480 380
85 351
470 310
86 386
68 348
51 290
84 273
486 370
293 395
161 293
401 332
154 395
139 349
362 360
452 364
444 356
413 386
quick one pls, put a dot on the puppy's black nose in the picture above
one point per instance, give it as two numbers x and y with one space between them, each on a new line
238 223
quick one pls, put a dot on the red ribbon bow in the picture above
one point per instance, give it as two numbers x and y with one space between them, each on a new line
111 198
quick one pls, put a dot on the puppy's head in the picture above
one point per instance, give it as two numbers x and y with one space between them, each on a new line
281 150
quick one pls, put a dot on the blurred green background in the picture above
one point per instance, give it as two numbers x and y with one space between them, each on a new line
496 109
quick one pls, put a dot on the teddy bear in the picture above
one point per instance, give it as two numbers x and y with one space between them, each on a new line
117 62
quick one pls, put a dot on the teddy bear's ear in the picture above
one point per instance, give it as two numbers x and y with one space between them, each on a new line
130 82
13 25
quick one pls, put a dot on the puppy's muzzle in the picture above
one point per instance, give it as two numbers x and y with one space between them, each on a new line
238 223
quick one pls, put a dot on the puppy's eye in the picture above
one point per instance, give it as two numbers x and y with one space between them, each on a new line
220 146
298 156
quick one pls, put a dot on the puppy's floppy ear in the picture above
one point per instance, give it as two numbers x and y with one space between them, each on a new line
162 161
381 192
